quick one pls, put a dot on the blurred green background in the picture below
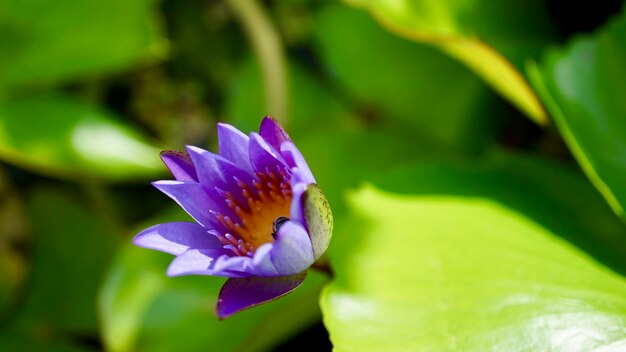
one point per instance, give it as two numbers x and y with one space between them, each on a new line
473 152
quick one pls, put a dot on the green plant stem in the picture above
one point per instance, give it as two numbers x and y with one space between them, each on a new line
322 265
267 44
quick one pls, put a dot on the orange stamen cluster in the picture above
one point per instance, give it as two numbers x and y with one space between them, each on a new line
268 198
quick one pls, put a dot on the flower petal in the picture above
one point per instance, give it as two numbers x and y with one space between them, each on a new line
218 172
264 157
176 237
196 199
241 293
262 261
291 252
234 264
243 266
233 145
196 262
319 219
180 165
294 159
206 164
273 132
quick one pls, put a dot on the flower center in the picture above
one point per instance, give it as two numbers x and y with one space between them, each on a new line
267 207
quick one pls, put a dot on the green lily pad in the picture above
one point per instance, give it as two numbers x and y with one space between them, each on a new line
583 86
438 273
491 37
60 136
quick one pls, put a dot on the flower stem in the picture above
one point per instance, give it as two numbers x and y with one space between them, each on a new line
322 265
266 41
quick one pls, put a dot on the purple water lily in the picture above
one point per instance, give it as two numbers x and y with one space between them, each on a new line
262 221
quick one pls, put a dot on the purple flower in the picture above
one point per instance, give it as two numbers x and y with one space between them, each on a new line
261 220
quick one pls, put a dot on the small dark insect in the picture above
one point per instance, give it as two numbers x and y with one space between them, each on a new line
277 224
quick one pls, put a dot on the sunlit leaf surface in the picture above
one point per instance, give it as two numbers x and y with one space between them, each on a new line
455 273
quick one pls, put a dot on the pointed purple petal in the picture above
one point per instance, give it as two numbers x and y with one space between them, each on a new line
233 145
180 165
239 294
298 187
196 199
206 164
263 156
262 261
294 159
292 251
197 262
319 219
176 237
216 171
273 132
242 266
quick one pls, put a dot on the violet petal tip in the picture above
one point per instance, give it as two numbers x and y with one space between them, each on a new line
238 294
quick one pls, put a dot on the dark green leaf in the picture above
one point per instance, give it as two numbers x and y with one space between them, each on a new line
14 236
486 35
389 78
583 86
71 249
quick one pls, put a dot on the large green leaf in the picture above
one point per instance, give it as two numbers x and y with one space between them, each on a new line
558 198
50 41
439 273
390 78
143 309
583 86
491 37
56 135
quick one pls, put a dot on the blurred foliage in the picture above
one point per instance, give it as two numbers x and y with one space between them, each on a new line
470 31
477 230
45 42
56 135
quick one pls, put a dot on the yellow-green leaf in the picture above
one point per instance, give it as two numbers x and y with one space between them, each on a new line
446 273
